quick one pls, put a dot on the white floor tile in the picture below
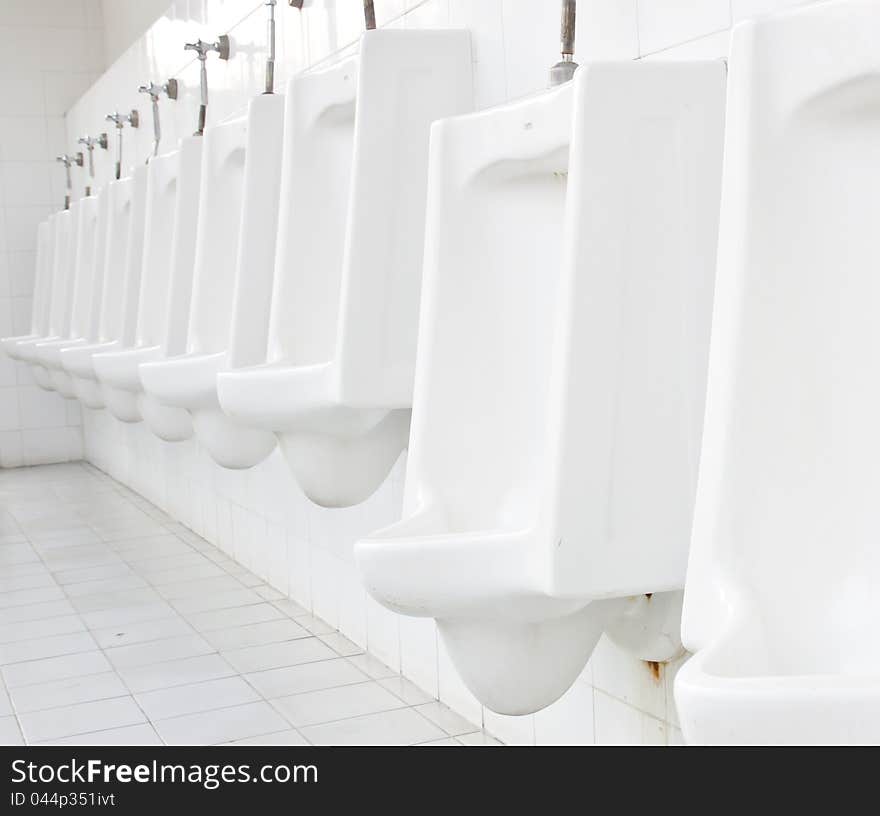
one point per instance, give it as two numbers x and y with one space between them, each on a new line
143 734
81 718
400 727
255 634
179 575
39 648
25 597
223 725
119 584
276 655
142 632
213 694
45 627
290 737
127 615
305 677
479 738
445 718
158 651
81 574
199 587
67 692
236 616
409 692
176 672
55 668
220 600
9 732
338 703
372 667
114 600
341 644
32 580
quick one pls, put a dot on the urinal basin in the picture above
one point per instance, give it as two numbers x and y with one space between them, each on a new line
119 373
566 304
42 292
122 320
61 303
106 322
338 451
47 356
186 382
780 605
189 383
120 369
247 301
738 692
342 330
11 345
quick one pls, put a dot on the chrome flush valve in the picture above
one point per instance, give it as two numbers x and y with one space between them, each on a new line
90 143
564 70
202 49
68 162
155 91
121 121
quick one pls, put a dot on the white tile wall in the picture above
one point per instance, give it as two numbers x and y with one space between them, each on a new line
260 517
48 57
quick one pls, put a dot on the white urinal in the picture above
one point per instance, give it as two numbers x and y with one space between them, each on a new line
236 241
781 605
119 368
337 385
569 267
121 403
83 294
42 293
114 237
60 311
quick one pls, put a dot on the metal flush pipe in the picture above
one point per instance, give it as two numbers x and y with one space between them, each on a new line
270 60
564 70
155 91
68 162
369 15
90 144
120 121
202 50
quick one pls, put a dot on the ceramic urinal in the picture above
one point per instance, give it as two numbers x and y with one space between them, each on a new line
170 223
121 403
234 264
337 385
82 298
42 294
61 308
113 236
781 604
569 268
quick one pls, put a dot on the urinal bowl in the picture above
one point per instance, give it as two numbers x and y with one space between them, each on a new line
48 355
739 692
119 372
338 451
189 383
77 361
517 647
11 344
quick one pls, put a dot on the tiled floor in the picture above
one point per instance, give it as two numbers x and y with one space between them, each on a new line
120 627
